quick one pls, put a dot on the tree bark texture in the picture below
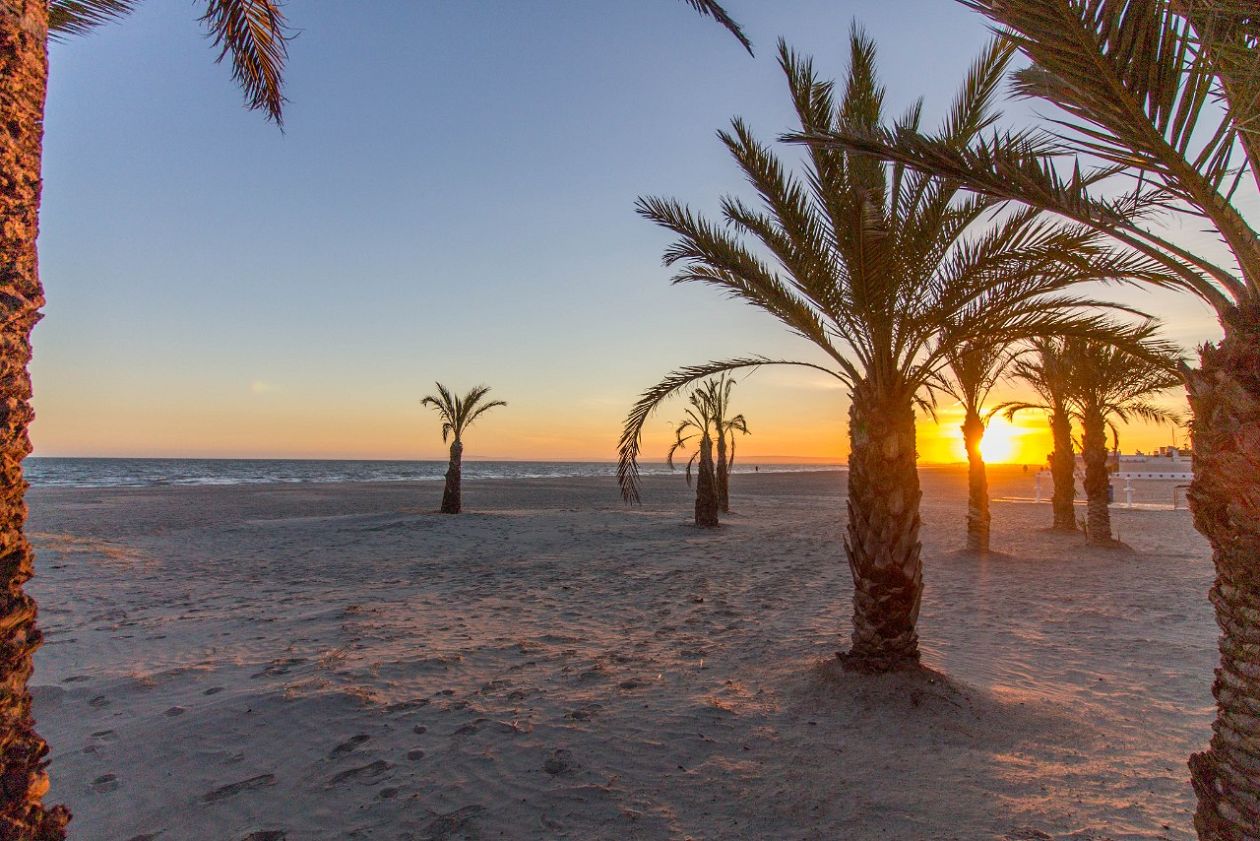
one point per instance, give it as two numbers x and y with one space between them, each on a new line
977 485
1225 499
1063 471
882 537
1097 479
706 487
451 494
23 85
723 477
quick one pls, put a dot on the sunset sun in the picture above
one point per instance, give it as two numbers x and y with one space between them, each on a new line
1000 442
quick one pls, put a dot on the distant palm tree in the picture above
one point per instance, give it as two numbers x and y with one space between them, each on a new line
875 269
1046 372
253 34
699 424
1165 92
457 414
973 369
1105 384
725 427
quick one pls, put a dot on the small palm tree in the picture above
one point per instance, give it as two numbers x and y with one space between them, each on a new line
457 414
1043 368
873 266
700 424
1105 384
725 427
1164 91
972 371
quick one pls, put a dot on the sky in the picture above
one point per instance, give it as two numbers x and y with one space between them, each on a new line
452 198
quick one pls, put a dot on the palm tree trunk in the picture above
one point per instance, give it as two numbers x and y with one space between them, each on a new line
1097 479
882 539
1225 498
451 493
706 487
977 485
1063 471
23 84
723 477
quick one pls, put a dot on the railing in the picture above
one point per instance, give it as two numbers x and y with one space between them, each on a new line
1129 477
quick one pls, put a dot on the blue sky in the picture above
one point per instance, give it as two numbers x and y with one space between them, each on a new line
452 199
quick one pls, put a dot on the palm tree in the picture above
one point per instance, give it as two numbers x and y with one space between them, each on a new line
699 424
457 414
719 392
1046 372
253 34
1106 383
873 267
972 371
1164 91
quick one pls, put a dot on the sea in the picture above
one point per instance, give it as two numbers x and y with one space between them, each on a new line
47 471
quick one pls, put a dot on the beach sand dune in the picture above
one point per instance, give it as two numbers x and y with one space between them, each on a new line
331 662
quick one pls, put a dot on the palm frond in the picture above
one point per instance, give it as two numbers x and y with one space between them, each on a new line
78 17
255 35
709 8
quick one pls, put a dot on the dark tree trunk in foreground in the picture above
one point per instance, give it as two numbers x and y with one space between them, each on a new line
882 539
977 486
1097 479
1225 498
23 79
1063 471
451 493
706 487
723 477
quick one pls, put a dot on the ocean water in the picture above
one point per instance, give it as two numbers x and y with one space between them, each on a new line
152 472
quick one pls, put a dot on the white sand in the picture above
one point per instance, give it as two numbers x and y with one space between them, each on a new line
331 662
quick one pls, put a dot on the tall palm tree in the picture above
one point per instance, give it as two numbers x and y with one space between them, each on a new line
252 34
457 414
1044 369
972 371
1165 91
1106 384
873 266
700 424
725 427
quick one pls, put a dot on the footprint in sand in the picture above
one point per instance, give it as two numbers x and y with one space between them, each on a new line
413 755
559 762
448 826
214 690
174 711
366 774
148 836
266 835
99 702
104 783
348 745
232 789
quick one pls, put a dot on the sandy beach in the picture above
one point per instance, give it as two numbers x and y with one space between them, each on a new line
334 661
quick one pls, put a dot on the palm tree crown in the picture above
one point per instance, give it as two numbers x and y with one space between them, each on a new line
1164 90
1116 383
458 413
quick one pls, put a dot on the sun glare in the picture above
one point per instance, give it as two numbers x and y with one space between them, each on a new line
1000 441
